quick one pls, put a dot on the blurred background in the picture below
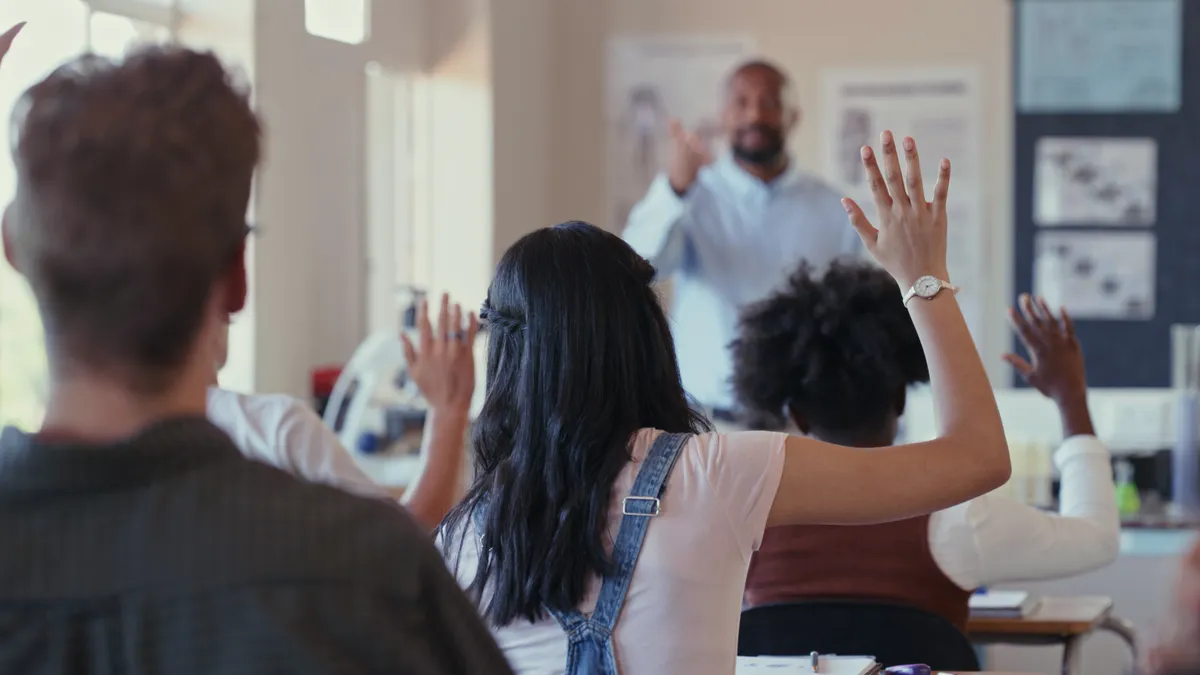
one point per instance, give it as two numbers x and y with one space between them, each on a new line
409 142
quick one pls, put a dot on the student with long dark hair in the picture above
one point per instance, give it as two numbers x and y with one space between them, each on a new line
607 529
836 352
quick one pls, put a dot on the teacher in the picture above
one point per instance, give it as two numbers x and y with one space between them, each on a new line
728 232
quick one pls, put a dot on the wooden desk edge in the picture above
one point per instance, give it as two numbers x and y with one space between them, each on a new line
997 628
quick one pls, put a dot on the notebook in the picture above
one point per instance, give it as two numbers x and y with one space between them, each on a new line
1003 604
802 665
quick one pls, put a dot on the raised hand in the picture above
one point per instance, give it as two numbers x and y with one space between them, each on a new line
1056 365
443 363
689 154
6 39
909 240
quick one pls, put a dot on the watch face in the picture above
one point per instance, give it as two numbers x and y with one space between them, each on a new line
927 287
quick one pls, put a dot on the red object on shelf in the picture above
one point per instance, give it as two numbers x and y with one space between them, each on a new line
323 381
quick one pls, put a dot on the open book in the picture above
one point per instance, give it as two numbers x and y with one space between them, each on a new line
802 665
1003 604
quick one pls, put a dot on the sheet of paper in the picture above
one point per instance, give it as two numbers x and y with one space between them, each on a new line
940 108
998 599
650 80
1097 275
1095 181
801 665
1111 56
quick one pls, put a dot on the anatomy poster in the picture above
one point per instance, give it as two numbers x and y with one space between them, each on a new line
1095 181
651 80
1097 275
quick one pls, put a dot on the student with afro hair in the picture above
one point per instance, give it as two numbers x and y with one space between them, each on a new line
835 354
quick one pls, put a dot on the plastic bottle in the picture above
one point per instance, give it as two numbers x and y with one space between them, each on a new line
1128 501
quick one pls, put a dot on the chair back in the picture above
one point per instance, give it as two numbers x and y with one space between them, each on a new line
892 634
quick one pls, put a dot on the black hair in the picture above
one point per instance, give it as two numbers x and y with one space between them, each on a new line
579 359
836 349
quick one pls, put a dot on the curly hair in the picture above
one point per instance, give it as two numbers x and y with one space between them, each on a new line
835 349
133 182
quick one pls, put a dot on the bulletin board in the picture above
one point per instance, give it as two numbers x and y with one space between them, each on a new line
1120 352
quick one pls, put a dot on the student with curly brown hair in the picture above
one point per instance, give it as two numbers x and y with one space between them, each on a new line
836 353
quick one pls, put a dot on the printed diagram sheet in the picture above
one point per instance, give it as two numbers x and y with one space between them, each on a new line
1097 275
1095 181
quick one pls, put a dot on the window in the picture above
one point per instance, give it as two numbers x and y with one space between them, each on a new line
340 20
57 30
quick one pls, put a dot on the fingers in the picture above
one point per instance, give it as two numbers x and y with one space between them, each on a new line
1068 324
875 180
410 352
942 188
866 231
1048 316
912 169
1028 312
456 333
444 318
424 329
1019 364
1033 314
472 328
1024 330
675 128
6 39
891 169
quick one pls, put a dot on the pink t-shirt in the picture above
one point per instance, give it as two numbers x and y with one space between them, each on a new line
685 599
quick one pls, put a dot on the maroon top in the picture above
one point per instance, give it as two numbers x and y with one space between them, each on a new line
888 563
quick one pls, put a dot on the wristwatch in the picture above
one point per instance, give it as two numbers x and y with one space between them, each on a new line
927 287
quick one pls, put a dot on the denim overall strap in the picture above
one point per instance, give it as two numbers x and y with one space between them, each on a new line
638 508
589 638
590 647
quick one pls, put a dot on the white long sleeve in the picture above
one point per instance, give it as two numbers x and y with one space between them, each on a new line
656 227
283 432
995 538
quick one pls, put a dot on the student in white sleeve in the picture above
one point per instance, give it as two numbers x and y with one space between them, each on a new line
836 353
285 432
608 530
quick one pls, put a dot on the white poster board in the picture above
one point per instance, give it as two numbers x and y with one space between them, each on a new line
1097 275
1095 181
940 108
651 79
1111 56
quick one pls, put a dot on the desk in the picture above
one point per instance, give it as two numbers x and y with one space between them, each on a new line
1064 621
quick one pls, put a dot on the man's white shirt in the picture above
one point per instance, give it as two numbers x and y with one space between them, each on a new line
730 241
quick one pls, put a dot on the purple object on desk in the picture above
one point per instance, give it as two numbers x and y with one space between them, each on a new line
914 669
